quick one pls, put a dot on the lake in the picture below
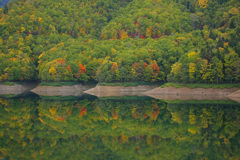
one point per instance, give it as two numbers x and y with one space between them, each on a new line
131 127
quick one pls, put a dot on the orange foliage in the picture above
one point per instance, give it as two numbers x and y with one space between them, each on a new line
155 67
82 69
114 114
114 66
83 110
69 112
145 115
124 139
69 68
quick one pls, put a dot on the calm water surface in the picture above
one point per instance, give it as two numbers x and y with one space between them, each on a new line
55 128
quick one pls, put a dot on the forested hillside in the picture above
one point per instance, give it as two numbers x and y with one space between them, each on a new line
190 41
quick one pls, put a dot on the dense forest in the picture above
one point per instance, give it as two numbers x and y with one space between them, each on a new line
190 41
91 128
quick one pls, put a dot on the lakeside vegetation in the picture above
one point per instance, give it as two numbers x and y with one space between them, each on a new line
7 83
219 86
127 84
180 41
10 83
58 83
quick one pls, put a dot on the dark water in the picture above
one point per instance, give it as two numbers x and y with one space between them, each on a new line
55 128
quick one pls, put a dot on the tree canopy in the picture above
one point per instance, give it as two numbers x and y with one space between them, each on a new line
132 40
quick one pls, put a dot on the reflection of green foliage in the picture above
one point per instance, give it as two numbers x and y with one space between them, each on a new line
201 102
8 95
88 128
125 98
59 98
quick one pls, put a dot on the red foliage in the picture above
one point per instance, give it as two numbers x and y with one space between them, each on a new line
143 37
62 61
32 59
83 110
82 69
136 23
61 119
145 65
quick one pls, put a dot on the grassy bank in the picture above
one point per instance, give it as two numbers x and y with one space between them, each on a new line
8 83
220 86
126 84
58 83
70 83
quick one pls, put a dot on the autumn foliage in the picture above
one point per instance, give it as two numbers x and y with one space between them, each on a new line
82 110
82 69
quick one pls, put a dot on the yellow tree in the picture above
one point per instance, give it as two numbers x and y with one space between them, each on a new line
149 32
203 3
123 35
53 71
192 70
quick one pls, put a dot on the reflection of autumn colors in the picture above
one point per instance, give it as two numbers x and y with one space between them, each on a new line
83 110
121 129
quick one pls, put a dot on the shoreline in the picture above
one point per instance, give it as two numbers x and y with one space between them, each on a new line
185 93
106 90
115 91
16 88
73 90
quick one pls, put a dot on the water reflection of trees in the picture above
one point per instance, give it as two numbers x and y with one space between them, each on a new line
117 129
